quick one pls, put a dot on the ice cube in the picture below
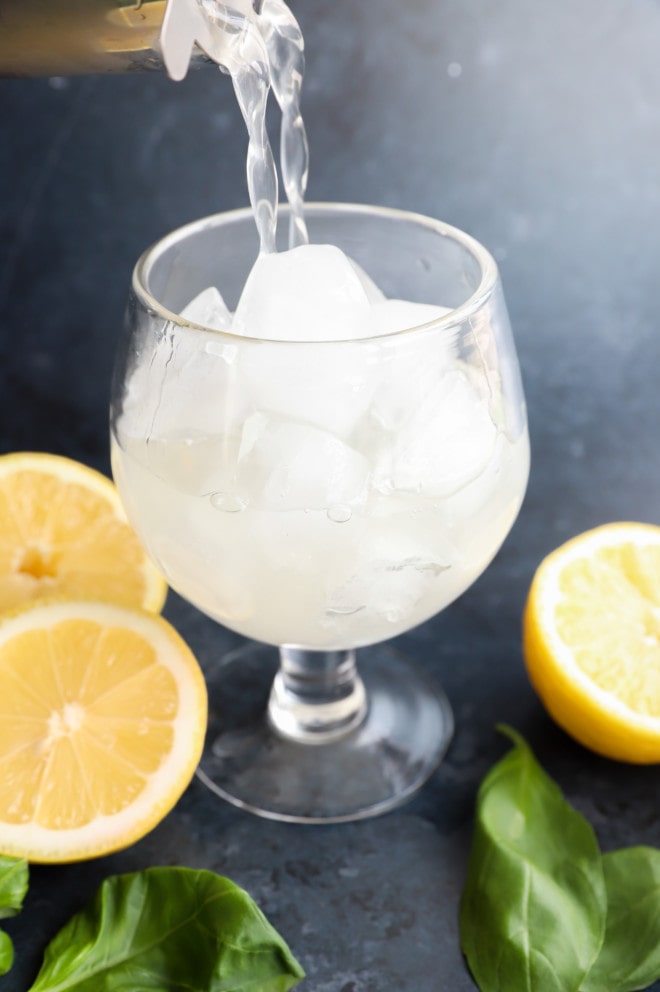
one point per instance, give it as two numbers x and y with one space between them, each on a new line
389 316
482 512
289 466
327 385
374 294
399 563
390 589
410 367
179 386
316 292
309 293
448 441
208 309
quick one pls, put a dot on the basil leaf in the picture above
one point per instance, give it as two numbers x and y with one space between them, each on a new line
6 953
13 886
630 955
532 914
169 929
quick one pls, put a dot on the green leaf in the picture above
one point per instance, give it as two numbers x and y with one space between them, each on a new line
630 955
533 910
13 886
170 929
6 953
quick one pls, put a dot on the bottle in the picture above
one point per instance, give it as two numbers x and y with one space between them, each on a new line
70 37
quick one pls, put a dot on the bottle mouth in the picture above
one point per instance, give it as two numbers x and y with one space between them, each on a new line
186 26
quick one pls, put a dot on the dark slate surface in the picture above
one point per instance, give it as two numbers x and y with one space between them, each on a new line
536 127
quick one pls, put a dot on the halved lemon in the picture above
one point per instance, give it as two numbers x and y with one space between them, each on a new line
591 639
102 718
63 532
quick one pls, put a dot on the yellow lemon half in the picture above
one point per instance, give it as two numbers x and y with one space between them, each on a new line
63 532
102 719
591 639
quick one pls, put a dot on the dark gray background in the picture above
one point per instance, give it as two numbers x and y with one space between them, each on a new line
535 127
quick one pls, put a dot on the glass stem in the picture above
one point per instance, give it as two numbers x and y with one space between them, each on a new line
317 696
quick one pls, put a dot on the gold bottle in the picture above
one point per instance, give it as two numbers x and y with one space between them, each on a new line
69 37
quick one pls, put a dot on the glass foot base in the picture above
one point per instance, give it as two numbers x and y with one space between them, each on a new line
373 768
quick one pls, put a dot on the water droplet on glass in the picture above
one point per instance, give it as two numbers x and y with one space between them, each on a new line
339 513
229 502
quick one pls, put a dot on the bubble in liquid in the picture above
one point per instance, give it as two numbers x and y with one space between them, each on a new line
339 513
229 502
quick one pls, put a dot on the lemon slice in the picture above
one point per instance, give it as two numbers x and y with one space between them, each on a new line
591 639
102 720
63 532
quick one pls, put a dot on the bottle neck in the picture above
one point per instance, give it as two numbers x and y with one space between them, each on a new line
73 37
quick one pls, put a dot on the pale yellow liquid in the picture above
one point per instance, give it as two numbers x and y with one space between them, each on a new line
323 577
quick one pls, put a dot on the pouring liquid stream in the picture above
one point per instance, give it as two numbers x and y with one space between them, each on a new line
266 51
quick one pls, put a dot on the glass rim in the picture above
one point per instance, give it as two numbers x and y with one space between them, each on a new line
474 302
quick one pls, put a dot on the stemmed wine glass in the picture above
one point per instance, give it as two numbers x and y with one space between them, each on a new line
321 497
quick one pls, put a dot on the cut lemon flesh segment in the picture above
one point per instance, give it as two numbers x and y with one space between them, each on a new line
102 719
63 532
591 639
